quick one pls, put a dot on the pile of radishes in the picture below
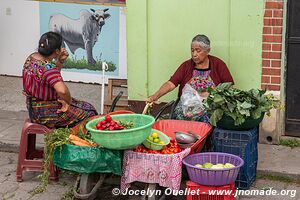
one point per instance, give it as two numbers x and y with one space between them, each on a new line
108 124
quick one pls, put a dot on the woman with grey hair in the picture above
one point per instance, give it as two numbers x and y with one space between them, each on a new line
202 71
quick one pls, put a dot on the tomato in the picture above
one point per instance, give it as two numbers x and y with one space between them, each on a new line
111 128
103 122
155 151
139 149
163 151
177 150
112 123
168 152
108 118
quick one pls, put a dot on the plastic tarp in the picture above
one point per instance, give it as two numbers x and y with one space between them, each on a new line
88 159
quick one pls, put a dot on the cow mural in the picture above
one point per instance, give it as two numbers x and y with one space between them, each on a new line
80 33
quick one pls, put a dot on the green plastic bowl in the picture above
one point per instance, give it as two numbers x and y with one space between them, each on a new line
228 123
122 139
154 146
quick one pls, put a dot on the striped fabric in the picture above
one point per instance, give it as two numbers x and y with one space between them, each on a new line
39 77
45 112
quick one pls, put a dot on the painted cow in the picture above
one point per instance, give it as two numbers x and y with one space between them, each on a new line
80 33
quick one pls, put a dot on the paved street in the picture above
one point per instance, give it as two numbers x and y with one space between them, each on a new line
12 190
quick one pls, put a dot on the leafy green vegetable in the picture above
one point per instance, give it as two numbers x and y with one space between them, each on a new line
238 104
56 138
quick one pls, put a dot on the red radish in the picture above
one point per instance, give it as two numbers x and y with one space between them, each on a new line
117 127
98 126
108 118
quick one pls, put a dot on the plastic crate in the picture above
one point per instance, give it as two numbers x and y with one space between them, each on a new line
225 192
242 144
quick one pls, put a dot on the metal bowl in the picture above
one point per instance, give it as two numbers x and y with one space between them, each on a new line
186 138
185 145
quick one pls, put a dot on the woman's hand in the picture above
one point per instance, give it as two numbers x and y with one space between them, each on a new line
204 94
151 99
64 106
63 55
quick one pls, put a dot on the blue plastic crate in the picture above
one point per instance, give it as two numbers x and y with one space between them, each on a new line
244 181
243 144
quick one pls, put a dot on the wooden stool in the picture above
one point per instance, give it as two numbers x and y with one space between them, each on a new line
29 158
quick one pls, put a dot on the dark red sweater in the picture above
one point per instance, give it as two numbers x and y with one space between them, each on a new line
219 73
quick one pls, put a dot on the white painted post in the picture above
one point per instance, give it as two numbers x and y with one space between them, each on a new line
104 67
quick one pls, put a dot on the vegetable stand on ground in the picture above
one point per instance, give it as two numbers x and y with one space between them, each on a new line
150 167
93 162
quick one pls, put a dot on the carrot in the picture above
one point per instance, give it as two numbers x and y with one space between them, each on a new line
78 140
77 143
94 144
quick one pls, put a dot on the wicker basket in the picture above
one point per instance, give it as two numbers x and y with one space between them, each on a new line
122 139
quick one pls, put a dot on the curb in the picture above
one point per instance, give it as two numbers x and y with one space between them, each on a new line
10 148
294 177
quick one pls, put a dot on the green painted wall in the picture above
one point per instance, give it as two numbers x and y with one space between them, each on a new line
159 34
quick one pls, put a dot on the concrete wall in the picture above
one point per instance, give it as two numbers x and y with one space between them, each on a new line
159 35
21 22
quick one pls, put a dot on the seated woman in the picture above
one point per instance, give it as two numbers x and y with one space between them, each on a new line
49 101
202 71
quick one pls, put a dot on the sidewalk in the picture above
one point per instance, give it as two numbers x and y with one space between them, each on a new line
272 159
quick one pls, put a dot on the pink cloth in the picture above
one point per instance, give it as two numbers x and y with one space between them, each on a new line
166 170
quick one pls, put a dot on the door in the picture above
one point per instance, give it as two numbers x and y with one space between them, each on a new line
293 69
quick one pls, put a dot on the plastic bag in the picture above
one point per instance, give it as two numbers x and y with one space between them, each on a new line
191 102
88 159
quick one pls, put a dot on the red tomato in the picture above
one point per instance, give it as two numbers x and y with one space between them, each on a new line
103 122
177 150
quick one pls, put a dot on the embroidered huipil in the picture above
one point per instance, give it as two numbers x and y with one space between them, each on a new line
39 77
